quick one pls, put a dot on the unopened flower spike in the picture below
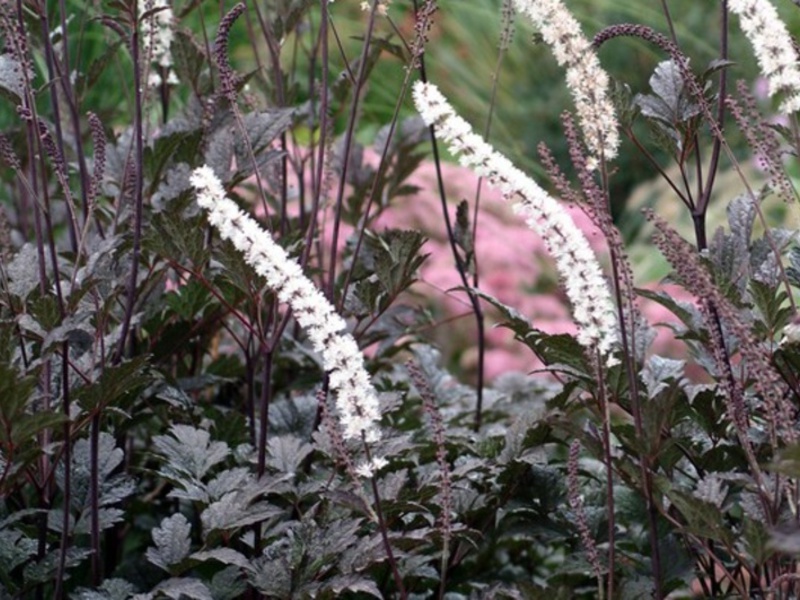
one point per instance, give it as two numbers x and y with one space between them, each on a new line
586 79
356 400
581 275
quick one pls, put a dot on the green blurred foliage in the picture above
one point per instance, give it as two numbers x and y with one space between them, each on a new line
462 59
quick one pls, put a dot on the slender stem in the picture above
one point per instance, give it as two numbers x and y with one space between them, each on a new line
138 189
319 175
55 105
348 143
607 458
670 23
628 335
460 266
398 580
263 411
373 192
63 70
716 150
94 499
31 196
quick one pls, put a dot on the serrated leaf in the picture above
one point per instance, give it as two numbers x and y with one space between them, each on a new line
110 589
294 416
653 107
355 584
757 540
106 517
287 453
793 271
77 329
771 305
741 216
189 300
462 233
637 587
763 262
667 83
626 108
785 540
172 542
787 461
227 556
272 572
659 373
235 510
261 129
187 57
219 151
189 451
16 392
45 570
390 259
663 379
686 312
716 65
115 385
230 479
174 183
109 457
228 584
166 148
22 271
12 77
703 519
180 588
15 549
556 351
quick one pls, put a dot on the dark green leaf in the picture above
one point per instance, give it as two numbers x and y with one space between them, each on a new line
115 385
703 519
97 67
556 351
188 58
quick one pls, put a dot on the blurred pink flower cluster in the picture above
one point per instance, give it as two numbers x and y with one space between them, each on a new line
513 266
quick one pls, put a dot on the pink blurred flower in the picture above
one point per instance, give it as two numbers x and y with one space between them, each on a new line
513 266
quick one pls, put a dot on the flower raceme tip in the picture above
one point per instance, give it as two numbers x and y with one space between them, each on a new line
587 81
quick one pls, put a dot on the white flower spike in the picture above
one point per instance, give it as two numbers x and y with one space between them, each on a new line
158 35
773 48
586 79
577 265
356 399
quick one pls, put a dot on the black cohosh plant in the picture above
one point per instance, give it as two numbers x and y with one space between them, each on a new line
215 380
